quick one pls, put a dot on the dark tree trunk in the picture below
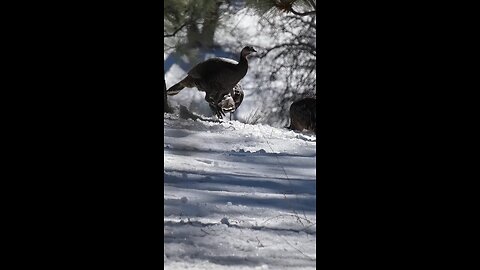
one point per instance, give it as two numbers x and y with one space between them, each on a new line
204 38
209 27
193 36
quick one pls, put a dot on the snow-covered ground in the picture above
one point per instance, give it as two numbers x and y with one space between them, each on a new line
237 196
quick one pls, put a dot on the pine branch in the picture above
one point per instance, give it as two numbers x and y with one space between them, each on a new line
313 4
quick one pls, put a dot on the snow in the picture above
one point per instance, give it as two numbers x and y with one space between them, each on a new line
237 196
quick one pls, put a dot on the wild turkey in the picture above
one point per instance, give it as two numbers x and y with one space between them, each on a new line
216 77
231 101
303 115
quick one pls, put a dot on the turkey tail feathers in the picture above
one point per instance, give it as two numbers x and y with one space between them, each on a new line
187 82
175 89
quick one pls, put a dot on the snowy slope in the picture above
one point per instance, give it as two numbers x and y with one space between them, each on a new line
237 196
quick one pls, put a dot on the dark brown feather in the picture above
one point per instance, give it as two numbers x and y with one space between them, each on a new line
303 115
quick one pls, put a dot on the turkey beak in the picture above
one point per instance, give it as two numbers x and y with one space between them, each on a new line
253 50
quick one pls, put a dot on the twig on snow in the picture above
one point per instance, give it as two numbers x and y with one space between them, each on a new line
301 252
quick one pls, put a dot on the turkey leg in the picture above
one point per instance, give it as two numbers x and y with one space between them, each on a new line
214 106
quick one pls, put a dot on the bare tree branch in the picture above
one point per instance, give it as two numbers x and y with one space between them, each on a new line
175 32
288 66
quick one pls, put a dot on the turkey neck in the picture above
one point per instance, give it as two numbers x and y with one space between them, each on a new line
242 65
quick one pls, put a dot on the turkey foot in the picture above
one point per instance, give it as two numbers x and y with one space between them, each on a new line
214 106
217 110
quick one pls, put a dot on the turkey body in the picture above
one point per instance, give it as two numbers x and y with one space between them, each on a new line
303 115
216 77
